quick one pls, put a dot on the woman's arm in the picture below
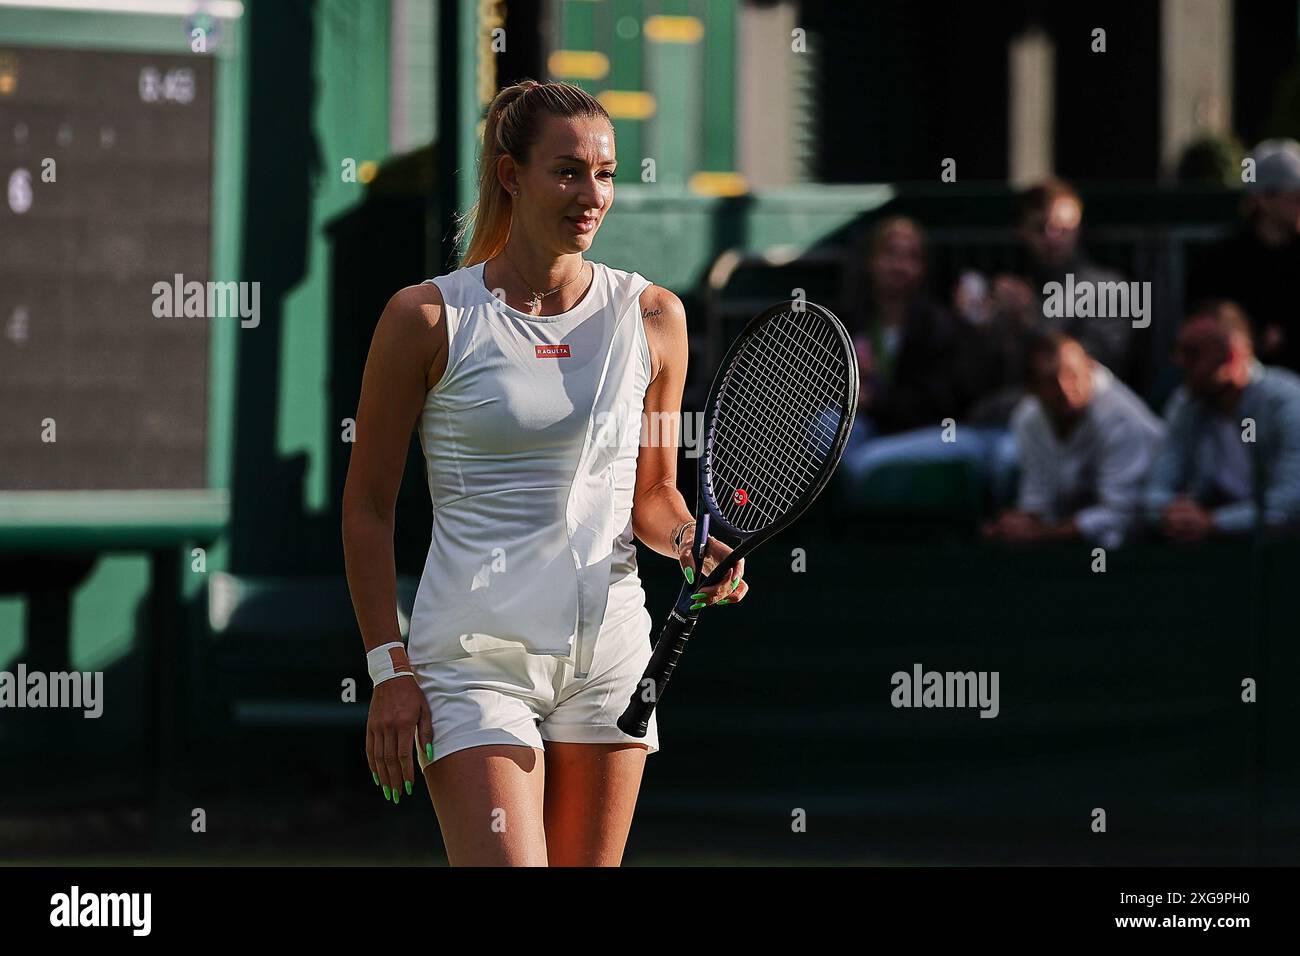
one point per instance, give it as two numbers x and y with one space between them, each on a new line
658 508
407 353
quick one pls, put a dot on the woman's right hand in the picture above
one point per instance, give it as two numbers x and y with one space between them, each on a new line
399 714
730 590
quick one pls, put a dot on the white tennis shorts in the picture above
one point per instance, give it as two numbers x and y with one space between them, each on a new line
512 697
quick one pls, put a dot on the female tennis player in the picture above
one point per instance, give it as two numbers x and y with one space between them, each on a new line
539 381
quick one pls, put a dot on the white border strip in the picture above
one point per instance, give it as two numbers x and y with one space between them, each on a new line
221 9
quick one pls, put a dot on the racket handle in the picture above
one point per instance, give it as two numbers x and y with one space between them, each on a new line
668 649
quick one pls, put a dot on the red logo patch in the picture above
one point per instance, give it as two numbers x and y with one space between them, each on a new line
553 351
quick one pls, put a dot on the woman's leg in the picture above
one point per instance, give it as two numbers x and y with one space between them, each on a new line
591 792
490 805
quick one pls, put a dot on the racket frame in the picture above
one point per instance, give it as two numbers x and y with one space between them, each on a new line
681 620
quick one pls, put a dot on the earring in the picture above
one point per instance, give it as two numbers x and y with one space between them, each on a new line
515 193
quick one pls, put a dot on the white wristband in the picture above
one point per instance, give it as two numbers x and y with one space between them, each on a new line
388 661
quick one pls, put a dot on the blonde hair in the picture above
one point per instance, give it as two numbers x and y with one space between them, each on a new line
512 127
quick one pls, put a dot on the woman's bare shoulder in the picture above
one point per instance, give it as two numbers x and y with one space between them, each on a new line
417 305
657 302
413 317
664 318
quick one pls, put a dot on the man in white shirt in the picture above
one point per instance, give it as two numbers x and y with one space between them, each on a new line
1085 444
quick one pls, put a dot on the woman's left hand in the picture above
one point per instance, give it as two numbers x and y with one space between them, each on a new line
730 590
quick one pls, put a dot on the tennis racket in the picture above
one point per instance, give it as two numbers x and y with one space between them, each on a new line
778 416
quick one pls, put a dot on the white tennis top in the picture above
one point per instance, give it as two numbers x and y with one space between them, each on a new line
530 441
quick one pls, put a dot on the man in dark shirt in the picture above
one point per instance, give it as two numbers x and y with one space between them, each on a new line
1049 216
1259 267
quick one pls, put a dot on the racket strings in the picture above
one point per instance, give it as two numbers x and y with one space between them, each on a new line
770 466
758 453
802 391
762 436
765 363
820 373
761 447
777 418
804 429
754 424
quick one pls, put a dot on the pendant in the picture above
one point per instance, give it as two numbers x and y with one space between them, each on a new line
535 302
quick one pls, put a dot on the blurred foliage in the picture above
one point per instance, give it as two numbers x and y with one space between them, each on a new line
1212 160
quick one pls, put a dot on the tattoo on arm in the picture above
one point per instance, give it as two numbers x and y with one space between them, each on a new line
651 313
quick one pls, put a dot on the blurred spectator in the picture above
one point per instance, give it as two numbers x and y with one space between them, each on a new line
998 320
915 375
1259 267
1048 217
1085 443
995 323
1233 436
906 342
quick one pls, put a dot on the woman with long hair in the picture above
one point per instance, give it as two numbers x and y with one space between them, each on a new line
531 373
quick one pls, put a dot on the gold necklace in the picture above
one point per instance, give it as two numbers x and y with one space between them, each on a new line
535 298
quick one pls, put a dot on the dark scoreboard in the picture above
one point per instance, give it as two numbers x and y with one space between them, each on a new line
106 165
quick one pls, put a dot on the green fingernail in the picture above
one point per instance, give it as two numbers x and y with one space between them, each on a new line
690 575
387 794
735 584
397 796
725 601
376 776
428 752
696 607
408 788
697 597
